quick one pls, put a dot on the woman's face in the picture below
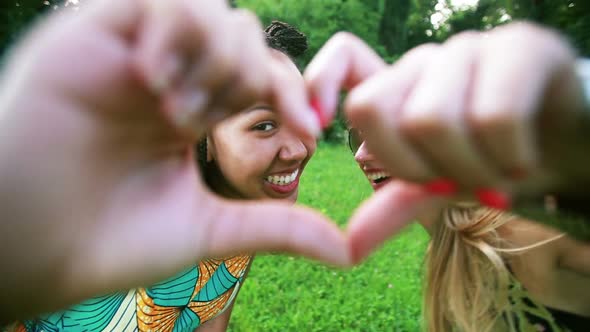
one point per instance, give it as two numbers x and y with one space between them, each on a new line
257 155
374 171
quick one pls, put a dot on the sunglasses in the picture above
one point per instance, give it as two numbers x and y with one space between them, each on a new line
354 139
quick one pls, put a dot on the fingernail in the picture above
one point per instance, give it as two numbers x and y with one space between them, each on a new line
186 107
319 111
493 198
441 187
165 75
311 123
159 84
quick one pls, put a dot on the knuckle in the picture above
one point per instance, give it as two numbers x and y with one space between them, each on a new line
343 42
344 39
462 41
486 121
427 123
423 50
361 108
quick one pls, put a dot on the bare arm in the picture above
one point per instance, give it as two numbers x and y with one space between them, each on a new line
575 256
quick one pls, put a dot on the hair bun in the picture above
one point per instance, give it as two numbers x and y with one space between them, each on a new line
286 38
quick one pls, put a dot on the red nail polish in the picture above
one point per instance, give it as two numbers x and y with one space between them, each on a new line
441 187
493 198
317 107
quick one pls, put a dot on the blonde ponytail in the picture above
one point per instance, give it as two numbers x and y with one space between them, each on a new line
467 282
468 286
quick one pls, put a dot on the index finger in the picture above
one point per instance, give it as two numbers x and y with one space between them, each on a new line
289 98
343 62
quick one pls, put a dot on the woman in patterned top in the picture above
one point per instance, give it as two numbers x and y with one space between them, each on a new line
248 156
100 189
419 120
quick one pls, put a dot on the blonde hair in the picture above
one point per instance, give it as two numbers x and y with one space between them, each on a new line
468 286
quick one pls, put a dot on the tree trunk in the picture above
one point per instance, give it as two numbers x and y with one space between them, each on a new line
393 32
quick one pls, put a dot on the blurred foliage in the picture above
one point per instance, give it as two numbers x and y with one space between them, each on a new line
390 27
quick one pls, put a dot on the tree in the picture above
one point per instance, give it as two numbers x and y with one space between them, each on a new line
393 27
570 17
15 16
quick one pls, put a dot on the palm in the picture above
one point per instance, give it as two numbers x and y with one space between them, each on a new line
104 152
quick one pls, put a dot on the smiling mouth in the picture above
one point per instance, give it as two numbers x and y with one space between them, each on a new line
378 177
283 180
283 184
381 180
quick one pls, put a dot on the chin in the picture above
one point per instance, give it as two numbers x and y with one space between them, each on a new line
292 198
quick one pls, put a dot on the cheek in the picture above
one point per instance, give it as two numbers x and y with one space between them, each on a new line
245 164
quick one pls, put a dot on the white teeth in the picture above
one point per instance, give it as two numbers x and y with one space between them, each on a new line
377 175
283 180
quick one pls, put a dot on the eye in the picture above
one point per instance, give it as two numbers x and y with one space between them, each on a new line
264 126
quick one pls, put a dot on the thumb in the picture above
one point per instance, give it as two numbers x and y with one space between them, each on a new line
156 243
384 215
276 227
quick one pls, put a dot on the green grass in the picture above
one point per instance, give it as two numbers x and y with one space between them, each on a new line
292 294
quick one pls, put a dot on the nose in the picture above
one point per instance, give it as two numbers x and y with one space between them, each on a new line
363 155
293 148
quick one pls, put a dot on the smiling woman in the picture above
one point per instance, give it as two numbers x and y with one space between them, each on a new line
252 156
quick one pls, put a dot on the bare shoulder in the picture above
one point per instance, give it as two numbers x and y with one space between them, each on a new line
523 233
548 244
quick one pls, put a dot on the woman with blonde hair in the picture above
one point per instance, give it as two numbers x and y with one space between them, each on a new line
489 270
482 264
483 117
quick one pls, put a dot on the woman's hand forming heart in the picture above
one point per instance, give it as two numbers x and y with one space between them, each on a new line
501 111
100 113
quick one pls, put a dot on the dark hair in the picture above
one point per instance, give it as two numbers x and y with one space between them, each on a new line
286 38
280 36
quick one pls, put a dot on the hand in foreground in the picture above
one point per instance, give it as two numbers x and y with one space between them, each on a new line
100 113
497 111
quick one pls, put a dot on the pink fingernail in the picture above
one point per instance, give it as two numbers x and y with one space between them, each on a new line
317 107
441 187
165 75
493 198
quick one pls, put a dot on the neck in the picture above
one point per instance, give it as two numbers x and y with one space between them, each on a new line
428 219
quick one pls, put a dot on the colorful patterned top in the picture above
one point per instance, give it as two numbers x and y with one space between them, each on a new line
178 304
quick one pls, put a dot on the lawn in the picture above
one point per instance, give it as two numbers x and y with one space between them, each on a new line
291 294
